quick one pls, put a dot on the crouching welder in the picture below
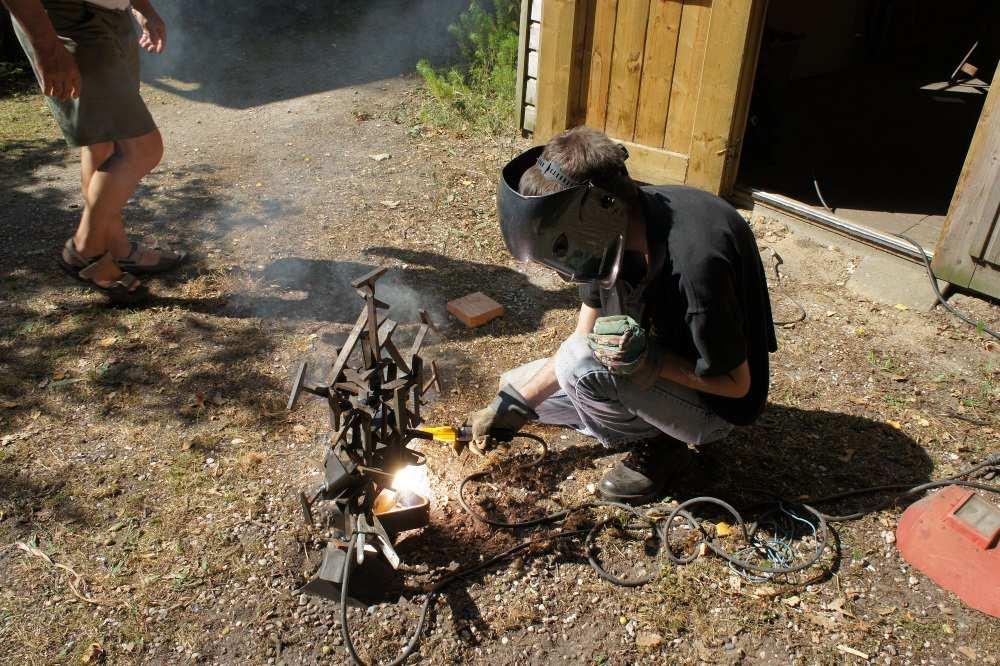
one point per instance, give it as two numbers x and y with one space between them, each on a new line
672 341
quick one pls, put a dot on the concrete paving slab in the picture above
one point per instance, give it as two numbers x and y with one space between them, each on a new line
879 276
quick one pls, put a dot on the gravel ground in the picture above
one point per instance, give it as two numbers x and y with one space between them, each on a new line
150 472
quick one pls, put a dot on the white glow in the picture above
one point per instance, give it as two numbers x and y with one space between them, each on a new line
412 479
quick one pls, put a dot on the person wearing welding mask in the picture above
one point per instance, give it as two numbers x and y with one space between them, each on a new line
672 341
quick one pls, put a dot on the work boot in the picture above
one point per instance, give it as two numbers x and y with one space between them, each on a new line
643 474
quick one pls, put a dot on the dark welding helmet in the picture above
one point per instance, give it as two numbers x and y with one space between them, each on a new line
579 232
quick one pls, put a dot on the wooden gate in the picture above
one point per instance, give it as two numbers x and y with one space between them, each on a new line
669 78
968 252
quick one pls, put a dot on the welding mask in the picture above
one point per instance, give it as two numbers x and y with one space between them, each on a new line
579 232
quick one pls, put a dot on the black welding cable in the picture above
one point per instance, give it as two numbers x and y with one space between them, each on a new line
937 292
821 528
905 490
820 195
548 518
411 645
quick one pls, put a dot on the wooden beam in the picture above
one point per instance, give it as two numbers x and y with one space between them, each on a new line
626 68
972 215
755 38
582 41
724 59
655 165
658 71
555 67
686 85
522 62
599 71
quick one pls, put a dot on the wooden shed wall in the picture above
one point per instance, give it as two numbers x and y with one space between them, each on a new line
664 77
530 33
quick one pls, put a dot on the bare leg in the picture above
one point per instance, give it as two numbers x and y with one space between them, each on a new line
107 185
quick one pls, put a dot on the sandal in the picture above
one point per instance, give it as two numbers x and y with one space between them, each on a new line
121 292
168 260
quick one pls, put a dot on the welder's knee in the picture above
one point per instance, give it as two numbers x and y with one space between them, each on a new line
574 363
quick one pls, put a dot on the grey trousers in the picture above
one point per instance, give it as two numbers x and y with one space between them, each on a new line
610 408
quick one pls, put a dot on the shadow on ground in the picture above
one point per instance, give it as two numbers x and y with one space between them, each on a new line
319 290
793 453
244 54
798 453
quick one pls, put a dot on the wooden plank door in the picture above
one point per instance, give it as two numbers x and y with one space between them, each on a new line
664 77
968 251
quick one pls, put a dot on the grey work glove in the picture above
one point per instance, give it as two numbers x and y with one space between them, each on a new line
620 344
501 419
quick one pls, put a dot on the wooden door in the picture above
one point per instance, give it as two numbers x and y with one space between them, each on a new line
968 252
668 78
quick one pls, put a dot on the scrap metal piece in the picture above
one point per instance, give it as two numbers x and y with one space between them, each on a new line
374 404
300 374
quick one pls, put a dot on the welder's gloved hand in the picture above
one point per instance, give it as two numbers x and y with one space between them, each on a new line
501 419
620 344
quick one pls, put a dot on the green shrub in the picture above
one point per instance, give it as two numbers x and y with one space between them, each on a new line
478 92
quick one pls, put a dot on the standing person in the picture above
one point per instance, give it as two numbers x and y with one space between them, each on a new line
85 56
672 341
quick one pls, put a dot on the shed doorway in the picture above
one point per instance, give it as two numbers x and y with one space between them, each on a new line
867 108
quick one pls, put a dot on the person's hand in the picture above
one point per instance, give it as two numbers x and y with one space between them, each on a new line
154 30
57 72
505 416
620 344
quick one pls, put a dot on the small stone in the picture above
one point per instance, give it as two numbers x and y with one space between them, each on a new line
792 601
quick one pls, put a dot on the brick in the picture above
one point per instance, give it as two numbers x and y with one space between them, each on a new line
475 309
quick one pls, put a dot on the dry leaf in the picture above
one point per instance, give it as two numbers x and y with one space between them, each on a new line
885 610
723 529
968 652
93 655
380 157
107 342
901 307
825 621
252 459
792 601
389 204
850 650
648 640
8 404
895 424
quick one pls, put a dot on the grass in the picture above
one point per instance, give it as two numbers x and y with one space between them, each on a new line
24 115
477 94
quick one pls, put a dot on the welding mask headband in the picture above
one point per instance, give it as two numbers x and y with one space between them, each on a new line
579 232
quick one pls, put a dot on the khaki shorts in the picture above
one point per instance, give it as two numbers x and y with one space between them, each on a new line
105 45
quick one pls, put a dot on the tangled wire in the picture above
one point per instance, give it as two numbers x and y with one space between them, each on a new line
762 558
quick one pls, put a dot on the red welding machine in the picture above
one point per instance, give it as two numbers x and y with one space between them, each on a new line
952 536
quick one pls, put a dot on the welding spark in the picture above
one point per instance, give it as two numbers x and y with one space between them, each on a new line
411 483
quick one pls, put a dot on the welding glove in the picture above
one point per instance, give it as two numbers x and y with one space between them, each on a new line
620 344
503 417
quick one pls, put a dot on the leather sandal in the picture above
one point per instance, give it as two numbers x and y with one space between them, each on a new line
120 292
168 260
